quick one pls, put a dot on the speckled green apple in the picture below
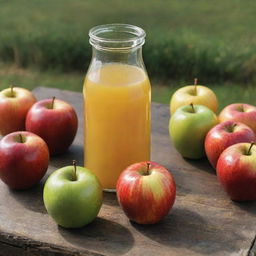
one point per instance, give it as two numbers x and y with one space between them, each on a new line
188 127
72 196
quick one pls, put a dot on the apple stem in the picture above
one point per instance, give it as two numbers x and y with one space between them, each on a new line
249 151
21 139
12 93
192 106
53 99
195 84
74 164
148 166
233 126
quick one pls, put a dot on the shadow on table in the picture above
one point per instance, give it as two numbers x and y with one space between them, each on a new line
110 199
75 152
186 229
101 235
32 198
201 164
248 206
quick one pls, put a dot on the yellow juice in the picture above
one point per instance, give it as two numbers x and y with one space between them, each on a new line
117 120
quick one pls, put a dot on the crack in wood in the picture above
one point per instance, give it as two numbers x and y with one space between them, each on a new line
252 250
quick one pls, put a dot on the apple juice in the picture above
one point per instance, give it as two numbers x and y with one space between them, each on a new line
117 120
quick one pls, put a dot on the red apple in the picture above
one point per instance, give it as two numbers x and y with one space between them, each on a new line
224 135
14 105
236 170
240 112
24 159
146 192
55 121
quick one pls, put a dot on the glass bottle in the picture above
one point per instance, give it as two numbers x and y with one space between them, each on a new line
117 96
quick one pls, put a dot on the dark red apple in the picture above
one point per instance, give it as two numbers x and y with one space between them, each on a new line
55 121
146 192
24 159
240 112
236 170
14 105
224 135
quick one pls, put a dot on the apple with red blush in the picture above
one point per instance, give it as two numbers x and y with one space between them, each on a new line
146 192
24 159
15 102
240 112
55 121
224 135
236 170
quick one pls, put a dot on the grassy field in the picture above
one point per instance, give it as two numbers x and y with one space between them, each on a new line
212 40
30 79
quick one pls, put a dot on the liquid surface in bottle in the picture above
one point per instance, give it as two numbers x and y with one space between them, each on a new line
117 120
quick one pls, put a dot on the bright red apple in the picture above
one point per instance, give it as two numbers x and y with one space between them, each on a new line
146 192
236 170
24 159
240 112
224 135
14 105
55 121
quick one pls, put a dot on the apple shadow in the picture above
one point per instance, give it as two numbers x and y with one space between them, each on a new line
248 206
102 236
75 152
202 164
186 229
31 198
110 199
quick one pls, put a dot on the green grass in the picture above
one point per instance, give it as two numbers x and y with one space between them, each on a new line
30 79
212 40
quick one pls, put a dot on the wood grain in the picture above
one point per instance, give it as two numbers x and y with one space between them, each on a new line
203 221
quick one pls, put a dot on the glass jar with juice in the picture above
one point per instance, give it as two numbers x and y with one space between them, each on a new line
117 97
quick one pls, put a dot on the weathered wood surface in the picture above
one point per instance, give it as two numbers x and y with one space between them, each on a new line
203 221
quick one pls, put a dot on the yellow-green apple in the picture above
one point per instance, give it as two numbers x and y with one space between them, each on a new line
55 121
236 170
240 112
14 105
24 159
146 192
224 135
188 127
198 94
72 196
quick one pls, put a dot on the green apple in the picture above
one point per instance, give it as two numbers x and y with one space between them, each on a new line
198 94
188 127
72 196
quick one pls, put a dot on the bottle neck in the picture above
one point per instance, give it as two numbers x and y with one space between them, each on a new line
132 56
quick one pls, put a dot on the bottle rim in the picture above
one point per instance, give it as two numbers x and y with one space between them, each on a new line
116 36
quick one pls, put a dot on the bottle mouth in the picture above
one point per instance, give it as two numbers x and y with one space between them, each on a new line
116 36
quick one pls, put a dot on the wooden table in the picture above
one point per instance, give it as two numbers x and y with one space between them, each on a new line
203 221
